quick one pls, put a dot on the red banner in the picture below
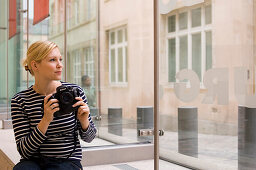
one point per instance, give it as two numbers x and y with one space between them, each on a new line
12 18
41 10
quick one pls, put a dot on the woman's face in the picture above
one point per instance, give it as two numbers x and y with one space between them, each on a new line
51 66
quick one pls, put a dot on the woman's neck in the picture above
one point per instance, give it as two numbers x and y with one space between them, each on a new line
45 88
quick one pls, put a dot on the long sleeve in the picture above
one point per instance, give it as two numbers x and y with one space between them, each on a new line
89 134
28 140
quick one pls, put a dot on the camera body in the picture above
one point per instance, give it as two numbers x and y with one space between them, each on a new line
66 96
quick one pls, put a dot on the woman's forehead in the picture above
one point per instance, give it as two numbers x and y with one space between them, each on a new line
54 53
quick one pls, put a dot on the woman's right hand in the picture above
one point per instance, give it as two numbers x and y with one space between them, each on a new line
50 107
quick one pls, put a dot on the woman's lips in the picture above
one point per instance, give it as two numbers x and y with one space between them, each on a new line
58 72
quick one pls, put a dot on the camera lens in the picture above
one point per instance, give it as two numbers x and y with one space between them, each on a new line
66 98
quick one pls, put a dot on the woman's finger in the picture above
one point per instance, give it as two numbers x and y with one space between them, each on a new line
79 103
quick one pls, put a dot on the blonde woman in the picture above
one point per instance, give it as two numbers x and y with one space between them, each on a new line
44 140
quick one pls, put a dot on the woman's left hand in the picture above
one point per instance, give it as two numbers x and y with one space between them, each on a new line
82 112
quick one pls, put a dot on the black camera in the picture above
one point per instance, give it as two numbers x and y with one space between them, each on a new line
66 96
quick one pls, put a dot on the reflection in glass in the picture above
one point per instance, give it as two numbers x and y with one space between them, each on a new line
196 17
196 54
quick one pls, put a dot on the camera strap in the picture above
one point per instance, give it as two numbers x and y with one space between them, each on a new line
75 136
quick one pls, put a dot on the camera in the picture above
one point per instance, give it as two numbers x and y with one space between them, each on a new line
66 96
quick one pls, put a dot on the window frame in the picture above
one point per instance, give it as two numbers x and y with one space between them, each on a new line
189 31
89 70
116 46
76 66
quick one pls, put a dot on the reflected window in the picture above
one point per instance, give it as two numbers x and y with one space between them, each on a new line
190 45
89 63
76 67
118 55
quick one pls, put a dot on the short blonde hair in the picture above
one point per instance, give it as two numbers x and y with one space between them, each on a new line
37 52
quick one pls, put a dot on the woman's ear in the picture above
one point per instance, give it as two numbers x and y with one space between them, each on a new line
34 65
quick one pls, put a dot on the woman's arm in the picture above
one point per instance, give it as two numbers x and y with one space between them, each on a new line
87 129
28 141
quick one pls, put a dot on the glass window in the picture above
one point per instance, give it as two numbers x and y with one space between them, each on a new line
89 63
112 37
208 50
196 17
196 54
118 55
183 20
77 67
171 60
120 64
183 52
208 14
113 66
190 52
172 23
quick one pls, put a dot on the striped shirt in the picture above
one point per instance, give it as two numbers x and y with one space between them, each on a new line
58 142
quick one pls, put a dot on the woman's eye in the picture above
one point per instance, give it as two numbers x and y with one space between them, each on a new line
52 59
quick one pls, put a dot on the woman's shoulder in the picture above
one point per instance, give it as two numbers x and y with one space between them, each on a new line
69 84
23 94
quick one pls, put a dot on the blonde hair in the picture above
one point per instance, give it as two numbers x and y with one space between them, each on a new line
37 52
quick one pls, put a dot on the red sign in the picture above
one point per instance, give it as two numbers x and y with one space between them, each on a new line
41 10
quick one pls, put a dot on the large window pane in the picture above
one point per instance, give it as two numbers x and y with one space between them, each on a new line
120 36
113 66
183 52
112 37
183 20
120 64
196 54
172 23
208 50
208 14
171 60
196 17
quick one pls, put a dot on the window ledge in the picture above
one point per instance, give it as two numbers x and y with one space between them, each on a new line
119 84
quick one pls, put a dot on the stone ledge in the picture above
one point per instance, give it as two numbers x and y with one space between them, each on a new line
5 162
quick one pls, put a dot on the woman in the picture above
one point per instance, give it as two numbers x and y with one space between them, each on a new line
45 141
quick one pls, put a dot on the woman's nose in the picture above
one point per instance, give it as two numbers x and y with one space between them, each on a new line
59 64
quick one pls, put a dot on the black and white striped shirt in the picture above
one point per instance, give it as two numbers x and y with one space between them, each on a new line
58 142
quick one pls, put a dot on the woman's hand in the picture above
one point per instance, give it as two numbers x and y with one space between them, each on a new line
50 107
82 113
